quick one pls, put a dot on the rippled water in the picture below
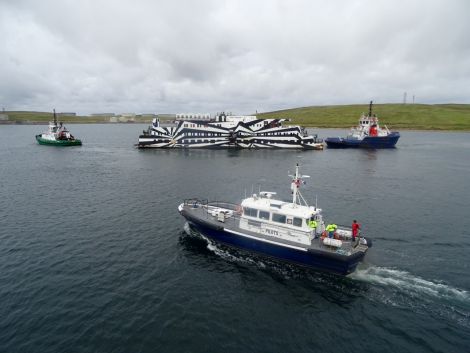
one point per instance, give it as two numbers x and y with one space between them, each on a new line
94 256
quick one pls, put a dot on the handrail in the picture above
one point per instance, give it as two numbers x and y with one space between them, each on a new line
222 204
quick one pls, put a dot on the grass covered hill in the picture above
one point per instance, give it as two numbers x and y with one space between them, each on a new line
395 116
30 117
44 117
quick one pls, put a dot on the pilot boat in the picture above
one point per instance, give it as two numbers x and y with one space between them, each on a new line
227 131
57 135
368 134
289 231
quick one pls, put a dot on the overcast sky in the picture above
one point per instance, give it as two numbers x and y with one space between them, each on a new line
206 56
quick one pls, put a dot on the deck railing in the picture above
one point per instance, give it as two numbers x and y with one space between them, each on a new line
209 206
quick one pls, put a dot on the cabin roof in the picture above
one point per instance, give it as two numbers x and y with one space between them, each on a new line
278 206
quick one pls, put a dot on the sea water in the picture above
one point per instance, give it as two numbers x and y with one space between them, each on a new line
94 256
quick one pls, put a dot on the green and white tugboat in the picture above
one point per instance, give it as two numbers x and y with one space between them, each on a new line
57 135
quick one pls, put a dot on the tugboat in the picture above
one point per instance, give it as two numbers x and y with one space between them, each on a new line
368 134
57 135
289 231
227 131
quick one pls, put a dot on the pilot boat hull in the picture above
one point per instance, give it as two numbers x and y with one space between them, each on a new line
331 262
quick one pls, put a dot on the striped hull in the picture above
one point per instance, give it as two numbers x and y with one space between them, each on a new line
244 135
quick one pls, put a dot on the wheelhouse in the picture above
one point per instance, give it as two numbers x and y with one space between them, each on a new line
278 218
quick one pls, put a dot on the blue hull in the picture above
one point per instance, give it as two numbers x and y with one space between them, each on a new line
330 262
388 141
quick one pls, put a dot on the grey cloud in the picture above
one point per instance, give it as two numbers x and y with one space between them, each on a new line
242 56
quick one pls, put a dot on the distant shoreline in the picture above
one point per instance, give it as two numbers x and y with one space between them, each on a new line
41 123
398 117
21 122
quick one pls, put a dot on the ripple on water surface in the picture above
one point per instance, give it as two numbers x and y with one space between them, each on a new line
94 257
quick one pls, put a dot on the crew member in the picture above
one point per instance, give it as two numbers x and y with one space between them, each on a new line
331 228
312 223
355 230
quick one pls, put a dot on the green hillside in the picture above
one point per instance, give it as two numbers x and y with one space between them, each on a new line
395 116
26 117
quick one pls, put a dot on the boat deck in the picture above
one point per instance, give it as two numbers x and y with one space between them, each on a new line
209 213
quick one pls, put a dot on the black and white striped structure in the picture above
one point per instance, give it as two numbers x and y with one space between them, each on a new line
227 131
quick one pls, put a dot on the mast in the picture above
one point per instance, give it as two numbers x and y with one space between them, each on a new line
55 118
296 186
297 179
370 109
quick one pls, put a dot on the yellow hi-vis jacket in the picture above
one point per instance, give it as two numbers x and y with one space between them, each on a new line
331 227
312 224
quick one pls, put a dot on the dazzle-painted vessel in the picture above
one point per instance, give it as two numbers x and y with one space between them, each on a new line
368 134
57 135
290 231
226 131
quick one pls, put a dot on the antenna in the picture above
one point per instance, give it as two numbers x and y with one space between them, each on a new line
297 180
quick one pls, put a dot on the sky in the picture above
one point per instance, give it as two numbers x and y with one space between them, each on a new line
207 56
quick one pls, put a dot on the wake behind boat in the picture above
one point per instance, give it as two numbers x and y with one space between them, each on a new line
368 134
226 131
57 135
290 231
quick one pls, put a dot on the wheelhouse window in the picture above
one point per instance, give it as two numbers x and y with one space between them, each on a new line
252 212
279 218
297 222
263 215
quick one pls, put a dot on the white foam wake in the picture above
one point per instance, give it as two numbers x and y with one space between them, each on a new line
231 257
212 246
409 283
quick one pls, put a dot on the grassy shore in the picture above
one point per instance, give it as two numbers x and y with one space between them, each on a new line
395 116
26 117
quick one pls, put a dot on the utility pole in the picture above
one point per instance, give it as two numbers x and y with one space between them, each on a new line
404 98
413 99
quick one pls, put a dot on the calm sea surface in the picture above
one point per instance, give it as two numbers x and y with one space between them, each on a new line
94 256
